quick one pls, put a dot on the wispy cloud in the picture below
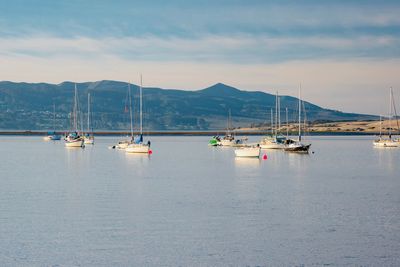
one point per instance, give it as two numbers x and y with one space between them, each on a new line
197 18
237 49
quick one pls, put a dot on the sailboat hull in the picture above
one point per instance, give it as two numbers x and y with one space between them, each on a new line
386 143
137 148
299 148
248 152
89 141
55 137
122 144
227 142
273 142
75 143
52 138
272 145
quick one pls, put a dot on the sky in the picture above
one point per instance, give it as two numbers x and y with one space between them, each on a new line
345 54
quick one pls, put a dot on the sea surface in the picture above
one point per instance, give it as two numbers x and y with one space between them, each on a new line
189 204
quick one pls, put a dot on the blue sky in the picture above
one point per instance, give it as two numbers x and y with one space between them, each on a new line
345 53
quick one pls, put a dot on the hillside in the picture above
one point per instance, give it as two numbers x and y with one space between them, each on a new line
30 106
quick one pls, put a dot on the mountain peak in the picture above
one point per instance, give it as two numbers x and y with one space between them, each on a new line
220 89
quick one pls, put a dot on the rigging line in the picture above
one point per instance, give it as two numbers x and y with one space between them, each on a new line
395 113
305 119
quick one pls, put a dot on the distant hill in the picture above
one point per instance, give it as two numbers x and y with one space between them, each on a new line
29 106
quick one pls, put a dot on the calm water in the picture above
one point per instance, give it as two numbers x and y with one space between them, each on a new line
193 205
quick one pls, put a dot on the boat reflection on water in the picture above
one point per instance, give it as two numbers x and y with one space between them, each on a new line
247 162
137 161
137 157
297 161
386 157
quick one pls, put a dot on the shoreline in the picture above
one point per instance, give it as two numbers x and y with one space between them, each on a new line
343 128
191 133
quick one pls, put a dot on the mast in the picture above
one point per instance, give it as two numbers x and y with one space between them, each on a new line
88 114
130 108
390 113
75 112
279 112
395 113
287 124
272 121
276 114
141 103
300 113
380 124
54 117
229 122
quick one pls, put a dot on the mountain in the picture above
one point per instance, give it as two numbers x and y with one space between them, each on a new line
29 106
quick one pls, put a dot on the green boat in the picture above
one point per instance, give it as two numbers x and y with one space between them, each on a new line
215 141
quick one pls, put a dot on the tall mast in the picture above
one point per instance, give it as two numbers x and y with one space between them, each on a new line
276 114
287 124
272 121
130 108
75 113
300 113
390 113
141 103
54 117
395 112
229 122
88 114
279 112
380 124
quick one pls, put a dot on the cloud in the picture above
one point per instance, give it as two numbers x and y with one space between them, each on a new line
244 49
197 18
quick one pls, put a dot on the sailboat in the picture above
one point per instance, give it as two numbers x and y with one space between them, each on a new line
387 142
74 139
51 135
297 146
89 137
229 138
123 144
138 146
275 140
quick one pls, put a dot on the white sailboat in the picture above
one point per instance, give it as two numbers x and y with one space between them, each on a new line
387 141
123 144
275 140
229 138
138 146
52 135
74 139
297 146
89 137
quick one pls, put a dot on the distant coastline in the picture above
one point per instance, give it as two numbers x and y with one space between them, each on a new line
181 133
315 129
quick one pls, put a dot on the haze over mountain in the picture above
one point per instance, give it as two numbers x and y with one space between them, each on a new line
29 106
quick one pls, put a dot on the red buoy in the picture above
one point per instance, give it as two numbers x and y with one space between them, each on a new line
265 157
150 152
